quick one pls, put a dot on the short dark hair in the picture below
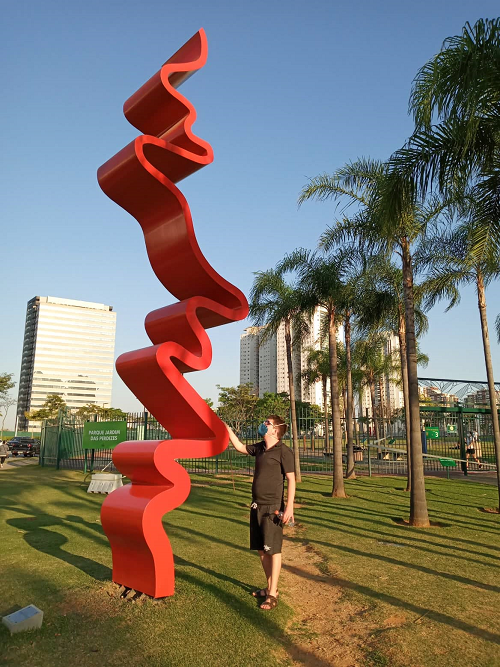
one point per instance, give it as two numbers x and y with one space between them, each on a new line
282 428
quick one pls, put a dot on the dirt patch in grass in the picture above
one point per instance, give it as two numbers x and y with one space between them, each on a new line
405 522
489 510
327 628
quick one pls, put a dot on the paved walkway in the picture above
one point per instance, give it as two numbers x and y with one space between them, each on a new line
20 461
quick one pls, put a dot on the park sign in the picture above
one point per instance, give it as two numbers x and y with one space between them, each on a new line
103 435
432 433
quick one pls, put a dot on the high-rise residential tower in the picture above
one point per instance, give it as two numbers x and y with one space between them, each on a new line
69 351
388 390
264 363
249 357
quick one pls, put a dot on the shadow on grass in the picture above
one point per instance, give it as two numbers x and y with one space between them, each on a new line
363 512
397 602
387 559
406 564
415 542
262 620
51 542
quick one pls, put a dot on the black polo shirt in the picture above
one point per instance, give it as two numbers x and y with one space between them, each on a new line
270 468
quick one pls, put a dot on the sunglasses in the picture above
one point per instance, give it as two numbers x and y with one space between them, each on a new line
269 423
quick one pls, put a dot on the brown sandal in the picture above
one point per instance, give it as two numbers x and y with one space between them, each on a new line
270 602
261 593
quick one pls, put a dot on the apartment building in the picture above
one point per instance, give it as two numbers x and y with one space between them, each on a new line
388 391
264 362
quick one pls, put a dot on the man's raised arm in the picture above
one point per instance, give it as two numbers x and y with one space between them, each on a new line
237 444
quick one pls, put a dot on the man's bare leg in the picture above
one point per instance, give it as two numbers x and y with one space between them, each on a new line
275 574
273 581
266 561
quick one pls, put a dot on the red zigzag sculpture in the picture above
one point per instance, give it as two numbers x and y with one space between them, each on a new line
140 178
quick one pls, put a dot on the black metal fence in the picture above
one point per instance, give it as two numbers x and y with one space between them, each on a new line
445 431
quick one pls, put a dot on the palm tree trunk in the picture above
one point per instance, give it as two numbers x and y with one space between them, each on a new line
481 302
350 473
356 424
406 398
418 503
327 423
291 391
371 384
338 490
381 389
360 414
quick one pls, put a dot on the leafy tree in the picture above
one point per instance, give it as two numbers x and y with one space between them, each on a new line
317 370
374 366
6 402
209 402
273 302
49 410
309 411
6 383
104 414
273 404
237 405
114 415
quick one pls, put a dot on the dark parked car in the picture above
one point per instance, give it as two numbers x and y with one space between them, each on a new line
24 446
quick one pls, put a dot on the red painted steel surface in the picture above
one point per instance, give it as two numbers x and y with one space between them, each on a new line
140 178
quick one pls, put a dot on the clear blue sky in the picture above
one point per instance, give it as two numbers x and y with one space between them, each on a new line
290 90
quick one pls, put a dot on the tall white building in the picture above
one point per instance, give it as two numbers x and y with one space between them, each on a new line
69 351
387 390
249 357
265 363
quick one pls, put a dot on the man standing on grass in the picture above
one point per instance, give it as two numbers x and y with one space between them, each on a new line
273 462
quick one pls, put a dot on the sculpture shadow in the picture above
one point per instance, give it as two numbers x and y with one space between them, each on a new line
52 542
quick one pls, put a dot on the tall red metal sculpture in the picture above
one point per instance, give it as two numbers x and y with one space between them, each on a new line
140 178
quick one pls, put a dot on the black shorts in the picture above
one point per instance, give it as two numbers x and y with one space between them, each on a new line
266 529
471 450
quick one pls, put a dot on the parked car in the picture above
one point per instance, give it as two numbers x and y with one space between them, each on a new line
24 446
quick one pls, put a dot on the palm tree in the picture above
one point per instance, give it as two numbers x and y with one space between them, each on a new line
273 303
381 307
349 303
320 280
454 262
317 370
375 366
459 90
367 183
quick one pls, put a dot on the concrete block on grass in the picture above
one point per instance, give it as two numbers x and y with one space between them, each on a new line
28 618
104 482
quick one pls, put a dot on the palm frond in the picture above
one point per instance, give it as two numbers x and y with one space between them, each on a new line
463 79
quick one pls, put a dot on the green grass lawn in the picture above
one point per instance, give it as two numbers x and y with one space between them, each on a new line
430 597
